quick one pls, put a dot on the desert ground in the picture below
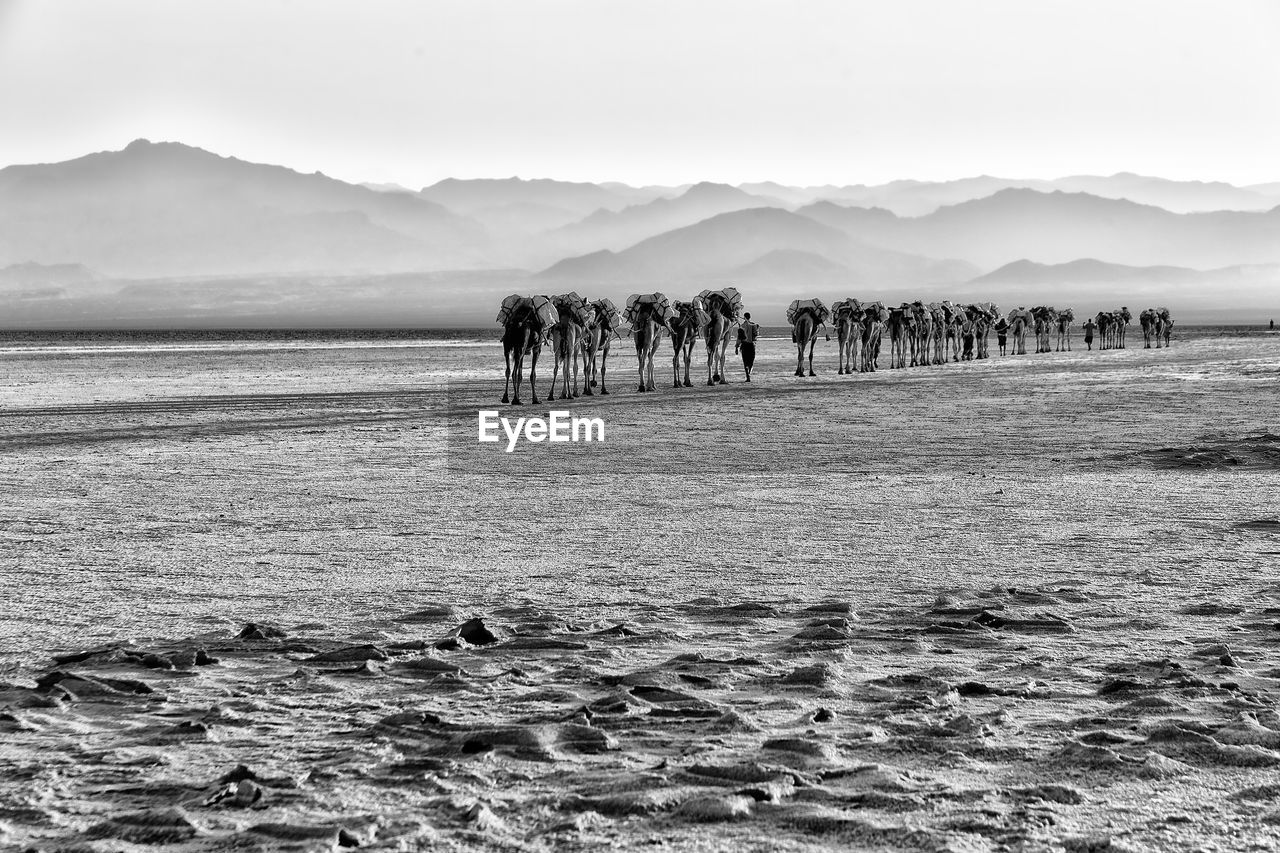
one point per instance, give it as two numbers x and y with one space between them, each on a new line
270 594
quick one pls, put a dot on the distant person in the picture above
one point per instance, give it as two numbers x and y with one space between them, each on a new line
747 334
1089 326
1273 325
1002 334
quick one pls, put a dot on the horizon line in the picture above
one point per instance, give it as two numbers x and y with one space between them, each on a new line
646 184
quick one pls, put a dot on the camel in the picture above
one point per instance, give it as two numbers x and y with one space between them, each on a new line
1020 319
1147 321
1044 318
1123 317
566 341
595 344
1161 323
806 317
690 318
1104 330
982 315
922 322
897 327
874 316
722 307
1065 318
845 314
525 320
648 315
954 320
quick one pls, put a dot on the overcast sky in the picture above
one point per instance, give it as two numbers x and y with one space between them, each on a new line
655 92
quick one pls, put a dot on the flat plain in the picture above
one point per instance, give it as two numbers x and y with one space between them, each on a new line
1021 603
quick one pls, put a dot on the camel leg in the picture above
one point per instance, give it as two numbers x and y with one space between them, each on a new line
506 386
574 350
518 366
812 343
555 366
604 366
533 374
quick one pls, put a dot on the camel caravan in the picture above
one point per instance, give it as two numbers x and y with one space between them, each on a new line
579 333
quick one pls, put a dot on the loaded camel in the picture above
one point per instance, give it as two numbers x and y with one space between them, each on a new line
848 332
1020 319
899 331
526 321
595 343
1065 318
1147 322
982 315
648 315
806 317
872 322
1044 317
689 320
567 336
722 308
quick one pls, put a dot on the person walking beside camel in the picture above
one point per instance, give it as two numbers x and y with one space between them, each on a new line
1089 326
1002 334
747 334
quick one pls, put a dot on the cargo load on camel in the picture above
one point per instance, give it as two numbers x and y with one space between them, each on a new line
814 306
542 307
662 310
727 301
606 313
574 306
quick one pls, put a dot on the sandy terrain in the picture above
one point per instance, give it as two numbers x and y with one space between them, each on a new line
1021 604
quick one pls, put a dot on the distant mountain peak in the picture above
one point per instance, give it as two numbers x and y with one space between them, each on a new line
710 189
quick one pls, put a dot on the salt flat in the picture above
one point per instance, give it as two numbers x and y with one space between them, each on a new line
1028 602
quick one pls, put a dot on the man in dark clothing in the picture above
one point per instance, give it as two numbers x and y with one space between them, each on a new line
1089 327
1002 334
747 333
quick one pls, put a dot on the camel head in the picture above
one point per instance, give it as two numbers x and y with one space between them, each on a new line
604 314
689 315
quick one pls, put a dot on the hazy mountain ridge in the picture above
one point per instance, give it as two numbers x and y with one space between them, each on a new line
167 209
719 246
620 229
1058 227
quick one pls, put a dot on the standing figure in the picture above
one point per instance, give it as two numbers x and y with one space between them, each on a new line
1002 334
747 334
1089 326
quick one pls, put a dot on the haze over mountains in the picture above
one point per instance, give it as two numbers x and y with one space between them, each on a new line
167 233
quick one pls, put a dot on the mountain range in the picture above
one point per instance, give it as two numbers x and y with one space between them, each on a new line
166 215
